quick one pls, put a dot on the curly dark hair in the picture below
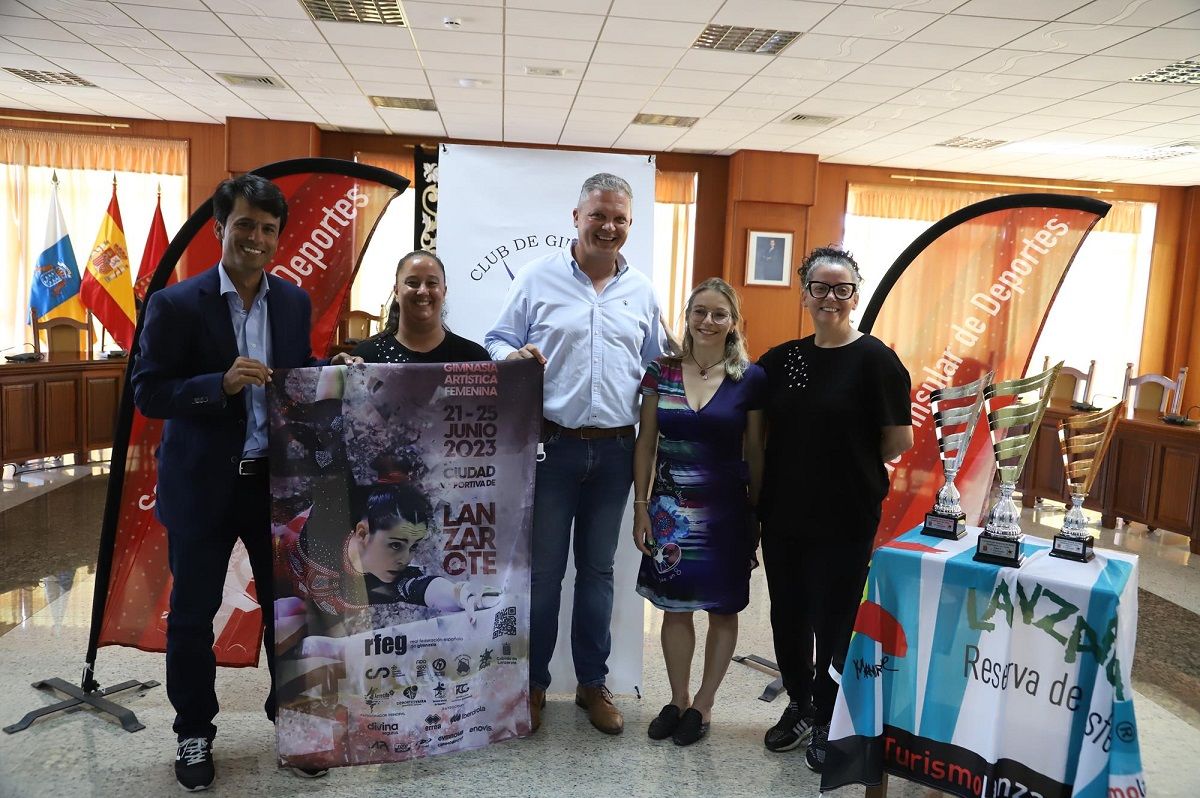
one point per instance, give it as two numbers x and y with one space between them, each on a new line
830 254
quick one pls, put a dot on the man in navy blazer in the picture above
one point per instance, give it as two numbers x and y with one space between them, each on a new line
208 347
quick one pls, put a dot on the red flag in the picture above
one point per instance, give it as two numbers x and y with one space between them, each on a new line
107 289
156 245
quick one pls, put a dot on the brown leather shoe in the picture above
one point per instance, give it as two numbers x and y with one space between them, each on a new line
603 714
537 700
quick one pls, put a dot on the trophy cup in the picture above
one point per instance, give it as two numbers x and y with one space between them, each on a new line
947 519
1000 541
1084 440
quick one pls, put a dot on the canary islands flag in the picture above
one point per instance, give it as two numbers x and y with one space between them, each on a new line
107 285
55 288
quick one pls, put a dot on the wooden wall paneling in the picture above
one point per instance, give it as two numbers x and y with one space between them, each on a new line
251 143
768 191
780 177
20 420
62 411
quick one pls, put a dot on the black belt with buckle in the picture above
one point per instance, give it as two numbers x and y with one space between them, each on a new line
253 466
550 429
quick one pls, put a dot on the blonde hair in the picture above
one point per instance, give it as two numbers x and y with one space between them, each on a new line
736 357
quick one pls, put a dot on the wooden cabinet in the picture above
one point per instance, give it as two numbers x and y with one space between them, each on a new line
1151 474
58 407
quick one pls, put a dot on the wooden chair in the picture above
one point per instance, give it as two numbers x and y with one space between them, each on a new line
1072 386
357 325
66 339
1154 392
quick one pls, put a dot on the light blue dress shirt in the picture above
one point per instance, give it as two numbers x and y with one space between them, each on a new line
597 345
252 329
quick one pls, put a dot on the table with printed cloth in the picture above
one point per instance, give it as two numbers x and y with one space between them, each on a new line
979 680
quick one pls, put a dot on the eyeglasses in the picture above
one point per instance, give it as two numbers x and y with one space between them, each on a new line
718 316
841 291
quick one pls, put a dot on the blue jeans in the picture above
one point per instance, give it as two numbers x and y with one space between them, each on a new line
586 482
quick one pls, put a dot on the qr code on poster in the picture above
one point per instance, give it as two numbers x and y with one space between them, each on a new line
505 623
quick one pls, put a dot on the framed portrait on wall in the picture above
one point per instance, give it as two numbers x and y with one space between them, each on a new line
769 259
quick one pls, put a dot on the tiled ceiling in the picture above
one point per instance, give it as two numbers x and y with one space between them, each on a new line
893 79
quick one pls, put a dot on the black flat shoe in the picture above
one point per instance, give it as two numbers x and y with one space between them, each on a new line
691 728
665 724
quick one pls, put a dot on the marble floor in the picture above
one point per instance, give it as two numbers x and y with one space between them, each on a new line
49 524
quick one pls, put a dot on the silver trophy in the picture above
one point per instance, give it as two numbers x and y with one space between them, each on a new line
954 425
1084 440
1014 429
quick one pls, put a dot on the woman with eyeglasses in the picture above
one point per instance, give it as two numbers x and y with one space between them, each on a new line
697 467
837 409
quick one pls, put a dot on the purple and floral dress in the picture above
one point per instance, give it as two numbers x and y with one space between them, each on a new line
699 505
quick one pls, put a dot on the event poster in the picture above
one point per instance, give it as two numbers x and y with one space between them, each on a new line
402 501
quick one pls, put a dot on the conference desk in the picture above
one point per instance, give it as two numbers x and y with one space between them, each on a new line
58 406
1151 473
979 680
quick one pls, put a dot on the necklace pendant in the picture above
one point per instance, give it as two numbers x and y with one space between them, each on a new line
704 374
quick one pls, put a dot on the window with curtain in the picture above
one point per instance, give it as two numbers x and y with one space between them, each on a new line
86 166
674 241
1108 280
393 238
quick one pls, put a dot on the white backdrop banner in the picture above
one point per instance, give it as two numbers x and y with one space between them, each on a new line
498 209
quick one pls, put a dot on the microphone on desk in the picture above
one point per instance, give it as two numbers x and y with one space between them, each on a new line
22 357
1181 421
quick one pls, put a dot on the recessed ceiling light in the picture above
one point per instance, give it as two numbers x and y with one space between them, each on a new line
407 103
51 78
471 83
1186 72
969 143
665 120
738 39
545 72
375 12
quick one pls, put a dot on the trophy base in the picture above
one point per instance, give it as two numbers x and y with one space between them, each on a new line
1077 549
999 551
949 527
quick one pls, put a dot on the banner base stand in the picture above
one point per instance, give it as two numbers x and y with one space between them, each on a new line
96 699
772 690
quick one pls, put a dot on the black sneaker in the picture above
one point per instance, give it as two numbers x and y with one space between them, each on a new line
310 773
194 764
814 757
793 729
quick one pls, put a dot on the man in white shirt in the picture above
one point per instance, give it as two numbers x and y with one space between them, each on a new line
594 323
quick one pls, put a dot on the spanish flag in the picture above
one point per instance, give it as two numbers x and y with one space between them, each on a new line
156 245
107 285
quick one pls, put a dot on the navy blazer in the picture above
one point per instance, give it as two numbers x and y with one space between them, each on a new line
186 346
